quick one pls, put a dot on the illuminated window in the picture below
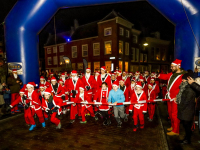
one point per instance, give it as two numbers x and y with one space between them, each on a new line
61 60
89 65
55 60
120 47
84 50
157 54
145 58
141 57
126 66
48 50
96 49
107 31
108 47
121 31
127 33
55 49
126 48
61 48
120 65
163 54
49 61
97 66
80 66
74 51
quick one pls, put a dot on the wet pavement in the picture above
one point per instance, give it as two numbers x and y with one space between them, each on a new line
14 135
173 141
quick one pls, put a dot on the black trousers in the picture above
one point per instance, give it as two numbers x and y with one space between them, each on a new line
188 132
105 114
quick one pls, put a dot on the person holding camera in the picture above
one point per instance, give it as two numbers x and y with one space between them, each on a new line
14 82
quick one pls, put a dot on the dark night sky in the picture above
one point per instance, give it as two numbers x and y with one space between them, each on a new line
141 14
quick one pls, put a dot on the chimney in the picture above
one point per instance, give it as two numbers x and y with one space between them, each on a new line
76 25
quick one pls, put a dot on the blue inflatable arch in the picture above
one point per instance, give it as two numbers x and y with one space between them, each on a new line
28 18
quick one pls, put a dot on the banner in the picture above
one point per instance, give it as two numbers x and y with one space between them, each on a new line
15 65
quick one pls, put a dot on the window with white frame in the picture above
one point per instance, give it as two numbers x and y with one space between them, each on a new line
107 31
126 48
49 61
61 59
85 50
54 49
74 51
127 33
135 38
48 50
55 60
108 47
120 47
121 31
61 48
96 49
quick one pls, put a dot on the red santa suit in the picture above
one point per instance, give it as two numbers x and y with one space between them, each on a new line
151 106
101 96
74 87
172 91
138 108
41 97
126 95
88 81
127 80
85 108
23 102
56 102
59 91
156 89
34 108
147 79
104 78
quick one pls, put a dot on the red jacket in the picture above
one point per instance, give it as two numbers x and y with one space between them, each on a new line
84 98
19 100
107 80
60 91
72 86
126 93
135 99
57 102
89 82
151 94
156 88
174 87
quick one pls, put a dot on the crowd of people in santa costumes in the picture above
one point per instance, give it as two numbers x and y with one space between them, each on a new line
104 90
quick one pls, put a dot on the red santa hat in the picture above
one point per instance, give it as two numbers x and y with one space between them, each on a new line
115 83
60 80
130 73
177 62
81 87
150 84
103 68
153 78
21 91
112 74
30 84
138 84
41 86
97 72
53 79
48 91
146 72
125 72
74 72
121 80
119 72
63 74
153 73
141 78
49 79
14 70
88 69
137 72
42 78
133 79
51 73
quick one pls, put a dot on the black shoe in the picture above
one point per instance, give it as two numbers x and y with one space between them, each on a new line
119 124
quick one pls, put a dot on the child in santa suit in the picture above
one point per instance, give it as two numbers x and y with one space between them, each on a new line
56 87
102 96
144 86
139 109
151 106
73 88
41 97
83 97
22 99
131 89
52 105
156 87
126 79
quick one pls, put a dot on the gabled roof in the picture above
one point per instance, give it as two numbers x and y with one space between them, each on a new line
113 14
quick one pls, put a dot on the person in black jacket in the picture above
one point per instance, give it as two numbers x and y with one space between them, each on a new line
186 107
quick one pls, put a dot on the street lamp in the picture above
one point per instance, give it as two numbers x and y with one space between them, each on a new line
145 44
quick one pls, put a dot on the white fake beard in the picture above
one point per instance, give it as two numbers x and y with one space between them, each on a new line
103 75
132 85
75 78
15 76
42 93
123 77
42 82
87 75
63 78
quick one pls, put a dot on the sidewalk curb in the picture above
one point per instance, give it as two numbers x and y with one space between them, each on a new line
162 133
